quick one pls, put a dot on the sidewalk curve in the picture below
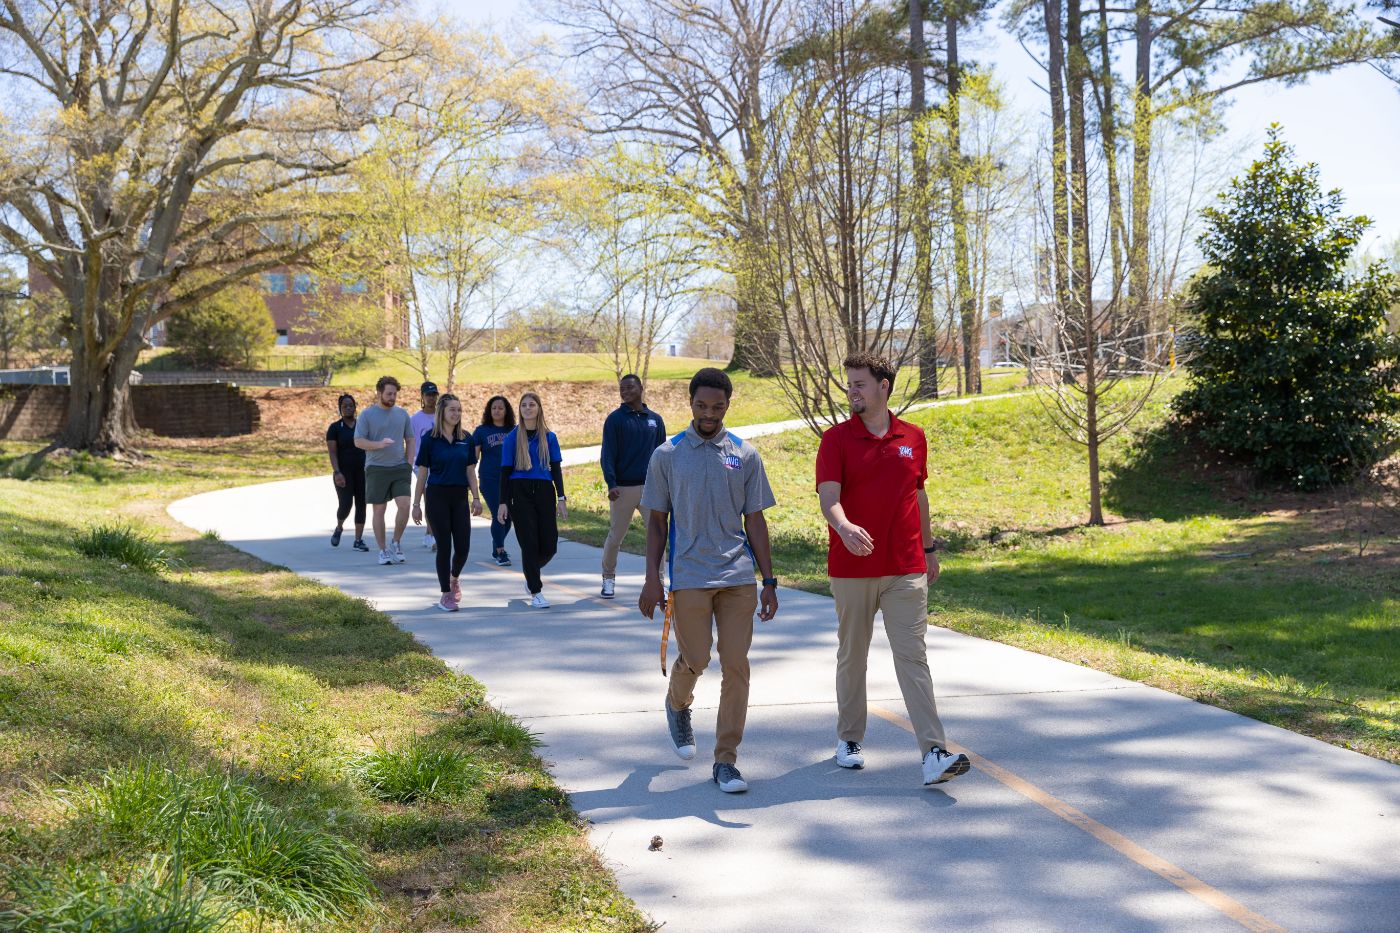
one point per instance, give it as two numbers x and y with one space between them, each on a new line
1095 804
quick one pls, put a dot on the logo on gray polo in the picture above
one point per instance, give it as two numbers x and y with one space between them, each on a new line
732 462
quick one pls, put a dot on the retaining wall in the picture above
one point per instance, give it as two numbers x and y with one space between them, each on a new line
36 412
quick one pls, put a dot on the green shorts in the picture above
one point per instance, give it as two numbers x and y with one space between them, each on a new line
385 483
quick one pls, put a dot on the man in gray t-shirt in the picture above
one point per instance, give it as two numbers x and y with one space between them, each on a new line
384 432
706 491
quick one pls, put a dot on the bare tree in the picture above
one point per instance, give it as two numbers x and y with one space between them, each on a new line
639 248
839 219
690 75
156 141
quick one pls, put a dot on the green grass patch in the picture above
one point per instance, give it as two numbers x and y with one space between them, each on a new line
420 770
151 899
194 749
124 545
1248 598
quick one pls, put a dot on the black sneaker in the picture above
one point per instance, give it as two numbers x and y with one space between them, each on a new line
502 559
360 545
941 765
335 537
682 736
728 778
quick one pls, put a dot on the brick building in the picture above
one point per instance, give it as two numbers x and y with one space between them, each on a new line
289 293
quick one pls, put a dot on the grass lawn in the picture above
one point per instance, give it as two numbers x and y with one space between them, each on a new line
1250 600
190 737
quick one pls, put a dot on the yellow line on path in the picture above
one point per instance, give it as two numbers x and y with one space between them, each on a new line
1183 879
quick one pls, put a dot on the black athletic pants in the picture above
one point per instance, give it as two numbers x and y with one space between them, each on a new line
352 491
450 516
532 503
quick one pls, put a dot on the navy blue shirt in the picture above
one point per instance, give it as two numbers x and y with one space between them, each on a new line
538 467
629 437
446 460
488 439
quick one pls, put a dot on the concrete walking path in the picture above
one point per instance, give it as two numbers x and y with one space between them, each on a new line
1095 803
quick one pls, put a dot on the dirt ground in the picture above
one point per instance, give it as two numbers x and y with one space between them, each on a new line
574 410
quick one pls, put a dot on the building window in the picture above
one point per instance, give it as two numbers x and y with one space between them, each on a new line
356 287
303 284
275 283
281 338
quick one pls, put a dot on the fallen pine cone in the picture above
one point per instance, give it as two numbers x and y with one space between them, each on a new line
656 843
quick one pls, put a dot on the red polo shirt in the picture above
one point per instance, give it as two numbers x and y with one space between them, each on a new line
880 478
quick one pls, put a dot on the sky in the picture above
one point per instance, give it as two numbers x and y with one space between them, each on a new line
1348 122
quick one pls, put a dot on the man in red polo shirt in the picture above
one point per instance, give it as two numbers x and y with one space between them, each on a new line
880 556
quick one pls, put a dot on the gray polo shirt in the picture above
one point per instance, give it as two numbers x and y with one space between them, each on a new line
376 423
708 486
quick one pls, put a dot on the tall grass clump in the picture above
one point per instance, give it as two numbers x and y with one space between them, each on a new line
422 770
153 899
124 545
492 727
241 847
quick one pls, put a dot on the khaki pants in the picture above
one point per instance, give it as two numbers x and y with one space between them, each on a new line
731 610
620 511
904 602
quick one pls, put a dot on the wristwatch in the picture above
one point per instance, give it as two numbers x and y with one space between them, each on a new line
931 548
771 581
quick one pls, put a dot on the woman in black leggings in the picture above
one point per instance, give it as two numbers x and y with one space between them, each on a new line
348 472
532 492
446 465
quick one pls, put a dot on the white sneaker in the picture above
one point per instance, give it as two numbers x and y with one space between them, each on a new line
384 558
941 765
429 542
848 755
539 602
609 588
396 553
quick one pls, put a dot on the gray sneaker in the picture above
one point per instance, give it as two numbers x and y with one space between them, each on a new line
682 735
728 778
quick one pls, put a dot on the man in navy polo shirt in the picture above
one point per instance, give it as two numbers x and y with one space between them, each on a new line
880 557
630 434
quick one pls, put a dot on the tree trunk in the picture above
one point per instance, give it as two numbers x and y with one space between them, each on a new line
100 416
923 234
1108 126
1059 198
757 342
1138 245
1083 300
962 288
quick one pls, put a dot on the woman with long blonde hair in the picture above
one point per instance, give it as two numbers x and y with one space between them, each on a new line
532 491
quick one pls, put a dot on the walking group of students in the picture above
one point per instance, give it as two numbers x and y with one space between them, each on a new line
517 468
702 494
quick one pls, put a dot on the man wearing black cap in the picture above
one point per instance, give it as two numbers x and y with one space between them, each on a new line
422 422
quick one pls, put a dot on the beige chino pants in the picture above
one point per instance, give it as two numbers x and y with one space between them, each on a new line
697 614
903 601
620 511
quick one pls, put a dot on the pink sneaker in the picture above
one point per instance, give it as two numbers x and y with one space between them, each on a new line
456 591
448 603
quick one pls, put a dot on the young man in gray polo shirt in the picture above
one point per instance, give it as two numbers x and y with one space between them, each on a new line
384 432
706 491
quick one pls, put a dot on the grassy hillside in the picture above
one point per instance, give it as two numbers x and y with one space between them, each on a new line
1254 600
193 740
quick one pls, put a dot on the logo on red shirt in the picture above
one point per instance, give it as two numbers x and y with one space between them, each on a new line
906 452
